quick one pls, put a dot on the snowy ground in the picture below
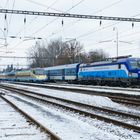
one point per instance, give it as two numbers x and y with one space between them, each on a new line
70 126
83 98
14 127
129 91
99 89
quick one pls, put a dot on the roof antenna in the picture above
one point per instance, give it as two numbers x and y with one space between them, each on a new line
132 25
24 25
100 22
62 22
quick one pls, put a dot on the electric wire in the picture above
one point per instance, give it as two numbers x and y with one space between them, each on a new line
36 17
98 11
23 28
122 36
103 27
43 5
40 29
50 22
12 14
91 32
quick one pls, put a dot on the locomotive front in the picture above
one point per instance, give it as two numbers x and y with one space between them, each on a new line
134 67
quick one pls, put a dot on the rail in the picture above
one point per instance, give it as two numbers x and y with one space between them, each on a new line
83 112
45 129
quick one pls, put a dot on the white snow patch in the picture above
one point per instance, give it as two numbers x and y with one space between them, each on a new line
69 127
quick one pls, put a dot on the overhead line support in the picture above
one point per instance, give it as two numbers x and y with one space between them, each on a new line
69 15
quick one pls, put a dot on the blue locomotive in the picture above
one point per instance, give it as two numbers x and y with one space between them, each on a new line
114 71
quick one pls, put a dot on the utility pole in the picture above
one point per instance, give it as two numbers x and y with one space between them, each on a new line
117 41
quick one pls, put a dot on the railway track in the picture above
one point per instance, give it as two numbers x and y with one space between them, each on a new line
116 97
102 87
83 86
100 113
47 134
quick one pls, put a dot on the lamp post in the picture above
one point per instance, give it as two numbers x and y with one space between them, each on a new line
116 40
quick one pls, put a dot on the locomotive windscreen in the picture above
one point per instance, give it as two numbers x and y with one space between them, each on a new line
135 64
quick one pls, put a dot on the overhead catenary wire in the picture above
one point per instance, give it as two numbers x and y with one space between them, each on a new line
40 4
108 38
12 9
43 27
91 31
104 8
48 7
75 22
23 28
51 21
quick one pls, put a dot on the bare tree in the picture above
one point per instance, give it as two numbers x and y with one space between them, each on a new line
55 53
97 55
73 50
37 55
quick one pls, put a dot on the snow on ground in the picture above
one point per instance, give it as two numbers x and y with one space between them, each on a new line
83 98
73 127
121 90
130 91
89 99
14 127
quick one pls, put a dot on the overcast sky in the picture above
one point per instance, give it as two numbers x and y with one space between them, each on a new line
87 31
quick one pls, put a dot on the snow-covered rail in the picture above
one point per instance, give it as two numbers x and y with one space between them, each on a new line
101 87
116 96
98 88
26 132
83 109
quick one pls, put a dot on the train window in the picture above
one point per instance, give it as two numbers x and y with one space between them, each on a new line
138 64
119 66
135 64
33 71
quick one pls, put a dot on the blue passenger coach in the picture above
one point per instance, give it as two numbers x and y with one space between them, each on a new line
68 72
125 69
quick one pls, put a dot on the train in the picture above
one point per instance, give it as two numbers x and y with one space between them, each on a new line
24 75
121 71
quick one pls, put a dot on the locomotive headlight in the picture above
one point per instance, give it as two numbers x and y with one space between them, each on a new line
130 74
133 74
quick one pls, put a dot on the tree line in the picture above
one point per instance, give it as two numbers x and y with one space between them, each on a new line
57 52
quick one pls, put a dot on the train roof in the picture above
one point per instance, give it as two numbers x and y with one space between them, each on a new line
110 61
62 66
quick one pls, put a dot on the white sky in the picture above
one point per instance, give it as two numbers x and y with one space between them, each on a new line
88 32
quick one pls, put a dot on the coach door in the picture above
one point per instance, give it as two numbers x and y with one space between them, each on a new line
63 74
48 74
